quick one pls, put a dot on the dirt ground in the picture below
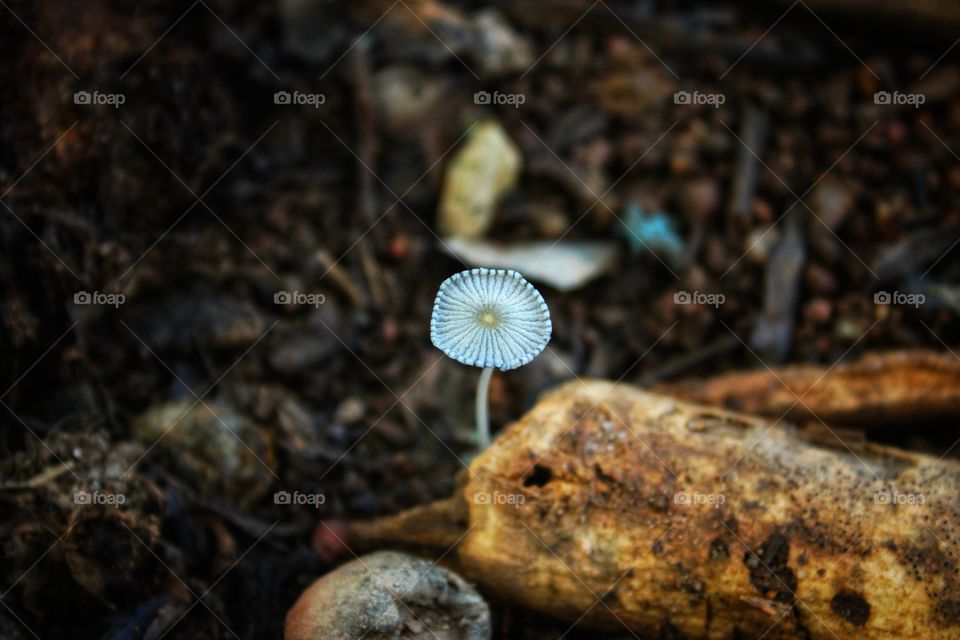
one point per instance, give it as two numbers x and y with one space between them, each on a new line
168 169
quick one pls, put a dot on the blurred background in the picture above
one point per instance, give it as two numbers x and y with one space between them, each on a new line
224 223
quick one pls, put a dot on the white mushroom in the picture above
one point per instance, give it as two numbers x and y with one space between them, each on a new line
489 318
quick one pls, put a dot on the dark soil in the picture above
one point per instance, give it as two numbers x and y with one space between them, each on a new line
199 199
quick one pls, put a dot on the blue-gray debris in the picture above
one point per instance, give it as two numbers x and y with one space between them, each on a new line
773 333
653 232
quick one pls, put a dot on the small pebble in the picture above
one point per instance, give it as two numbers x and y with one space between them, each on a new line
818 310
329 541
389 595
759 243
350 411
699 199
393 433
820 281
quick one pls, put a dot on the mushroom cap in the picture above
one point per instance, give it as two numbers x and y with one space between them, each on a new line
490 318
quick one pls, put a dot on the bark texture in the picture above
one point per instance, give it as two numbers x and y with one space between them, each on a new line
893 388
618 507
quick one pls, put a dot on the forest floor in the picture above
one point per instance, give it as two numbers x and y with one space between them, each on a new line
159 197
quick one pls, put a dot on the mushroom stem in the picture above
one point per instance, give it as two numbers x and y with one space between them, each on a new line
483 419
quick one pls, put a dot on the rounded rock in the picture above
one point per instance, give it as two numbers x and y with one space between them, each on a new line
389 595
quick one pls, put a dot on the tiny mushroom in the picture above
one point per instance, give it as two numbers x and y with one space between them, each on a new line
489 318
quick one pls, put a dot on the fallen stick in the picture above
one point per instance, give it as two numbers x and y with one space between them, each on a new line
897 387
616 507
773 329
754 128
